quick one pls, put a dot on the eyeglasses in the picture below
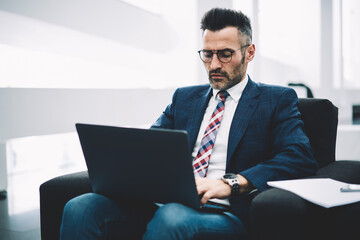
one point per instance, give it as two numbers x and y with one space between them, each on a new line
224 55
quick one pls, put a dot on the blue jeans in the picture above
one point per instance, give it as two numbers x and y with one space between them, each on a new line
93 216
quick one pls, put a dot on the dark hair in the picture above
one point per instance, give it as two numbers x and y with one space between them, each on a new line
219 18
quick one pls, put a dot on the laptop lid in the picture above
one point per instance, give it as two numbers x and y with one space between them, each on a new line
141 164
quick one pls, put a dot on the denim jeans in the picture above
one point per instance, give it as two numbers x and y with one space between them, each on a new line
93 216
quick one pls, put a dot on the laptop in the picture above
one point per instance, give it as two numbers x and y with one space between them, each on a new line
139 164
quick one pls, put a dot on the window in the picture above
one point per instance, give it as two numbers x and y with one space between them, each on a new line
350 43
289 41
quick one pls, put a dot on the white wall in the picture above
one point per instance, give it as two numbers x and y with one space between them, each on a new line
31 112
97 44
34 112
110 19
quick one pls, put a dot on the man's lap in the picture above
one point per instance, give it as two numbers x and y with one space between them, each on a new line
93 215
176 221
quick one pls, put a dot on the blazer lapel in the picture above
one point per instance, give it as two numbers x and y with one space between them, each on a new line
242 116
197 110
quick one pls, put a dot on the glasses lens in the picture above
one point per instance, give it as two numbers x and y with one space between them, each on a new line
224 56
206 56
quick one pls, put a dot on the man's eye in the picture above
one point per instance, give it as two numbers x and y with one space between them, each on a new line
225 54
207 54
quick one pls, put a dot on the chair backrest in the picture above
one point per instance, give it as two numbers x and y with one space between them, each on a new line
320 119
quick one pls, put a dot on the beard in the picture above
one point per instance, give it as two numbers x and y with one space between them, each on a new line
229 80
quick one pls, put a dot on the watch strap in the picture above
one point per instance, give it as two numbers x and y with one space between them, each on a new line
234 184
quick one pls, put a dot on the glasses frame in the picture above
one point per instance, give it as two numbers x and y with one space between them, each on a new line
217 51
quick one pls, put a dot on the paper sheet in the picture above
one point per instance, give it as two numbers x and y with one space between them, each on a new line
321 191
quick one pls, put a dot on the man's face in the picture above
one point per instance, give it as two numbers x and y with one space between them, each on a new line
225 75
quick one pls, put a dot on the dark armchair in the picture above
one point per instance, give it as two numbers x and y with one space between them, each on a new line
279 215
275 213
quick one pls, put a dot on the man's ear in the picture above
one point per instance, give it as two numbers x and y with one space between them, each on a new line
250 53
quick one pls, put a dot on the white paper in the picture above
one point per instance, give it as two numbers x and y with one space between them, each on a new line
321 191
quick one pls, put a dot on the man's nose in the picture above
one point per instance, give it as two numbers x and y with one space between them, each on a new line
215 63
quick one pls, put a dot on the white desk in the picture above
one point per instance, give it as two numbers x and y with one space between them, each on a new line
348 142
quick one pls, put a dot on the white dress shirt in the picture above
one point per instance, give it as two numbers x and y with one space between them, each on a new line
218 156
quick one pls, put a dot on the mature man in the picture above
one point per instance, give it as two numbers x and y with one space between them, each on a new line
254 135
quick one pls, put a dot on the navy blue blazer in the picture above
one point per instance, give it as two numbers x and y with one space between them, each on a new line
266 139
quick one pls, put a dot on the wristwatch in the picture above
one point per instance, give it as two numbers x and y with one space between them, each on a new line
233 180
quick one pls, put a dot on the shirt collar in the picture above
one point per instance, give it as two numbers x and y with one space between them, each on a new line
235 91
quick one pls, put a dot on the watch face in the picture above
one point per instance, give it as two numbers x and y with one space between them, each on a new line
229 176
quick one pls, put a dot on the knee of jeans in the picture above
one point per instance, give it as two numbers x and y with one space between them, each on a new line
172 215
79 208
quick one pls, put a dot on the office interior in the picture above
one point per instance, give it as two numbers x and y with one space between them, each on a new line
117 62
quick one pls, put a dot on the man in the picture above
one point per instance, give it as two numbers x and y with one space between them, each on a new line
254 135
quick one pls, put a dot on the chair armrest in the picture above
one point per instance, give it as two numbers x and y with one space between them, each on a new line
54 194
280 214
277 214
344 171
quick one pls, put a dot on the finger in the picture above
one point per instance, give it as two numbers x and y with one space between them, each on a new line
200 186
200 189
199 180
206 197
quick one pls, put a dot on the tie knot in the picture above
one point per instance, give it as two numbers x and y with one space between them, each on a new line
223 95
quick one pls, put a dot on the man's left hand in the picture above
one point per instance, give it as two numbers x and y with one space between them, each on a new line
212 188
216 188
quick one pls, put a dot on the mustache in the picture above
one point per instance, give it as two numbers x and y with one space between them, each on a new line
218 71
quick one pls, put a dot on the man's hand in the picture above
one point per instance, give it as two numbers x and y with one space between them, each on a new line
212 188
216 188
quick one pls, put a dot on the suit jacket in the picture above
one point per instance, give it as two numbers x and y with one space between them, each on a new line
266 139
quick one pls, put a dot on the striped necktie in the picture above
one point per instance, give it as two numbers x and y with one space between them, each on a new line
201 162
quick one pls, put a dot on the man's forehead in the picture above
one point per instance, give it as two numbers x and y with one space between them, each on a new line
227 37
227 29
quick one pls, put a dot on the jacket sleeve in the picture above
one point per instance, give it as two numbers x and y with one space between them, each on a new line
167 119
291 153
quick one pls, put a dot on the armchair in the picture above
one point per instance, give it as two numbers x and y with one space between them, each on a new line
275 213
279 214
